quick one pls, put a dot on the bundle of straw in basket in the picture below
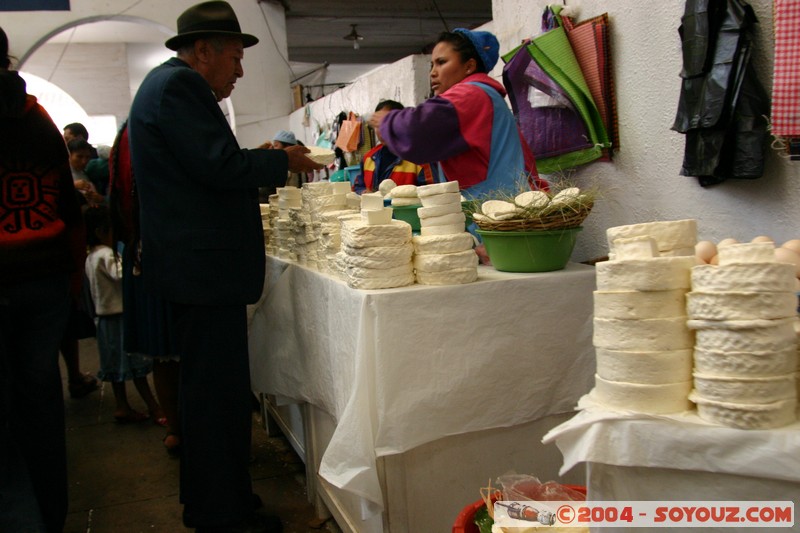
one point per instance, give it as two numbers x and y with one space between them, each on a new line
535 210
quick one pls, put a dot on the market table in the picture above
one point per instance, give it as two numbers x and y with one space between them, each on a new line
398 383
680 457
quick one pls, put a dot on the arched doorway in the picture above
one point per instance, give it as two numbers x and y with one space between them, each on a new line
99 62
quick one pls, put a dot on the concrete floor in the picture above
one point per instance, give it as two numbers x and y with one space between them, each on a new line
121 479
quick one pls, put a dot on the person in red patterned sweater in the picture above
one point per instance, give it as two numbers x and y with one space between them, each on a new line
42 250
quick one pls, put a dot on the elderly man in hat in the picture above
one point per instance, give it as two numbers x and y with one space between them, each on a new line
203 252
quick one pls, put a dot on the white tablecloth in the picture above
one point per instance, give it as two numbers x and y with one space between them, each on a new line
402 367
681 441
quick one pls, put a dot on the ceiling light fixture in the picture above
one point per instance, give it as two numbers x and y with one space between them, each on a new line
354 36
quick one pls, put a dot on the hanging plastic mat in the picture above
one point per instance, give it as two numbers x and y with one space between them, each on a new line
548 120
553 53
591 43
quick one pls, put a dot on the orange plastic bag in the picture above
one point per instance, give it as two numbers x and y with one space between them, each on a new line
349 134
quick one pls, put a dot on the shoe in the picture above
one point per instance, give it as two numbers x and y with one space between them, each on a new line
257 523
172 443
83 387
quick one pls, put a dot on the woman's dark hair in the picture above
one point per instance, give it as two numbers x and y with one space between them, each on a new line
463 46
5 60
98 220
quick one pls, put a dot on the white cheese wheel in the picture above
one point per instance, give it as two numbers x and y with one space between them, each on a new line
532 199
341 187
656 274
746 416
443 244
438 210
492 208
566 196
405 202
455 276
741 305
391 253
744 277
653 334
642 247
377 217
745 389
744 335
380 283
444 220
357 234
359 261
447 229
728 363
749 252
288 193
437 188
371 201
288 203
333 200
440 262
318 188
644 366
643 398
678 252
669 234
359 272
404 191
386 186
441 199
639 304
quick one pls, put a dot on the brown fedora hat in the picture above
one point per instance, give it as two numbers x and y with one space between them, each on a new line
206 19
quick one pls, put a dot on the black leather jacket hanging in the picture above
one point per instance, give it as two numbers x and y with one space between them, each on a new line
722 107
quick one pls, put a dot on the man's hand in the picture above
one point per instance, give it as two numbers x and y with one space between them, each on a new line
377 117
298 162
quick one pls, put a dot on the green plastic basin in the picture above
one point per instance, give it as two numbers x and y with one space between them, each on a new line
529 251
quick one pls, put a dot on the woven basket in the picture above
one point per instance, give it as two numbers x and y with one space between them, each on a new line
565 219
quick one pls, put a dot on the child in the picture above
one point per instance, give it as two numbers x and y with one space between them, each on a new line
104 271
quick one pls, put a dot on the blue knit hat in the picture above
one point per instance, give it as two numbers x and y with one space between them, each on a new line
485 44
286 137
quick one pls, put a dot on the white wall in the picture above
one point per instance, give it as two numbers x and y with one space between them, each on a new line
262 99
642 183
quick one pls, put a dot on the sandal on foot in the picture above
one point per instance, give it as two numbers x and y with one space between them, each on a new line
86 385
133 416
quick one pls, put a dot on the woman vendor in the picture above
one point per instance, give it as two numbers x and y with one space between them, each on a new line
466 126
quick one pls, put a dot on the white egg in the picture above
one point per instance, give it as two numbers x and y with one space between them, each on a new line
725 242
793 245
762 238
784 255
705 250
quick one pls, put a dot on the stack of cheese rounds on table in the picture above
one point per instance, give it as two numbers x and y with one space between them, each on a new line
443 253
643 343
265 224
403 195
271 244
744 313
289 200
377 250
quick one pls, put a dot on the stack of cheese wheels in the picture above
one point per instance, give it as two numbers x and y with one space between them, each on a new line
403 195
271 246
265 225
330 240
377 252
673 237
644 347
745 358
289 199
443 250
